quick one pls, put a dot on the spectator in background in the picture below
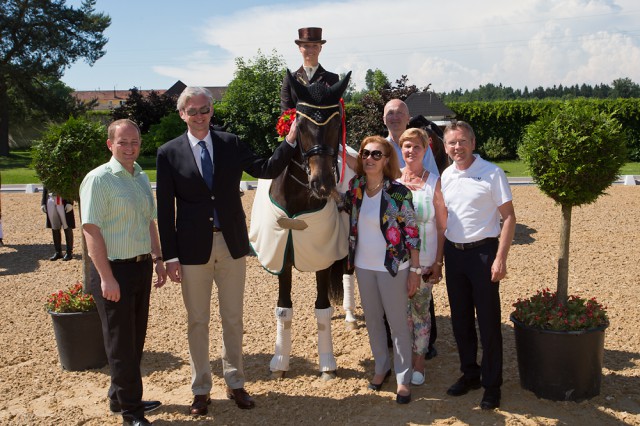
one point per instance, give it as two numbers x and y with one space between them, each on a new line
59 216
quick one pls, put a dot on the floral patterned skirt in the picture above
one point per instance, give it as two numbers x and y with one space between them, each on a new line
419 318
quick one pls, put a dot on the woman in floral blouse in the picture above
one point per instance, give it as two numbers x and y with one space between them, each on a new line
383 248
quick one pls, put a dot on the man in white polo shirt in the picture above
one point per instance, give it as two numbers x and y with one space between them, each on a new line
477 195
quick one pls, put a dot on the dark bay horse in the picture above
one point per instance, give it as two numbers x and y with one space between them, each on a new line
303 191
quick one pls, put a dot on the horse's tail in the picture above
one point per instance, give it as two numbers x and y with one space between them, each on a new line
336 291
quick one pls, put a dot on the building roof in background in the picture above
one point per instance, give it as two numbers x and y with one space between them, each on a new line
429 105
110 99
217 91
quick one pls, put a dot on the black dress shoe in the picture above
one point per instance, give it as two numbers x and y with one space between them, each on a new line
403 399
114 406
136 422
490 399
377 387
241 397
67 256
463 386
199 406
56 256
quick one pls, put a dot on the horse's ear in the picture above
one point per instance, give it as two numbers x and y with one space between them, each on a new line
298 88
338 89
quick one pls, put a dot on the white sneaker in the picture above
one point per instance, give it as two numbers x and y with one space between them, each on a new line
348 316
417 378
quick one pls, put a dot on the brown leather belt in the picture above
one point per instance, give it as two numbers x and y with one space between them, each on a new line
216 229
474 244
138 258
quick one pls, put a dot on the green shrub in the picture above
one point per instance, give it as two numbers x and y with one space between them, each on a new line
494 149
67 152
171 126
574 154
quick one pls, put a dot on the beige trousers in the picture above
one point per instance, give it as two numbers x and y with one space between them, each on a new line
197 285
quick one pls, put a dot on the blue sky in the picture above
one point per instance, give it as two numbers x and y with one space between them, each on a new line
450 45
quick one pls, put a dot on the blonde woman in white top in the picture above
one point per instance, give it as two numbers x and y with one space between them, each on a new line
431 216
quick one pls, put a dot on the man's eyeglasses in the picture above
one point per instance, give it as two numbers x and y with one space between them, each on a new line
461 142
376 154
194 111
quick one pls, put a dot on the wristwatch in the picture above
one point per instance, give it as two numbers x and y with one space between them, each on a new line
417 270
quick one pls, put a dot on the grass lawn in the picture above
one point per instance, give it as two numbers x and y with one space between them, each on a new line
16 169
513 168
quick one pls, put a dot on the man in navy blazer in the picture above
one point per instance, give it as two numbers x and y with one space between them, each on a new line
204 234
310 43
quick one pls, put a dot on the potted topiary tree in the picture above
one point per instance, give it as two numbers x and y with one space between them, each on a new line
574 155
61 159
64 155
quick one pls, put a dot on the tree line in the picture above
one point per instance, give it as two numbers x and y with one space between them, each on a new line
250 109
621 88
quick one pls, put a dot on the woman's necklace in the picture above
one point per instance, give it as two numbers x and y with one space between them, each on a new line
415 178
373 190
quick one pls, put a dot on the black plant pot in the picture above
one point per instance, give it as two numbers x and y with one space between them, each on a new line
79 340
560 365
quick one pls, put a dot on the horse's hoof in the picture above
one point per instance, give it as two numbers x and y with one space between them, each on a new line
351 325
278 374
325 376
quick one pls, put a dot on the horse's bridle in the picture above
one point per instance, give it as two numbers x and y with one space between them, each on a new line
320 115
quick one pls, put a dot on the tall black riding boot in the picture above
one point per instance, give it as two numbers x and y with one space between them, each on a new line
57 244
68 236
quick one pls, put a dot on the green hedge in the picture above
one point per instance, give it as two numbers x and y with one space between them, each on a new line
507 119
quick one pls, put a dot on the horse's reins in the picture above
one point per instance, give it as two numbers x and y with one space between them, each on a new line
319 149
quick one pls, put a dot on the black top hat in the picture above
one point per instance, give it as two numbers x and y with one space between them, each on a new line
310 35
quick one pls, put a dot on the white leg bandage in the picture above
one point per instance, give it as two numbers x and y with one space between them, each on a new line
280 360
349 301
325 346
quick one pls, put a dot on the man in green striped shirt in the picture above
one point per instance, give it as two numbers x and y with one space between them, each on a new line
118 221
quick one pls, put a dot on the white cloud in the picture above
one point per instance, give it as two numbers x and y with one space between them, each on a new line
462 45
200 69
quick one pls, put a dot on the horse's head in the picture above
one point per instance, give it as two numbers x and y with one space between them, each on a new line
319 117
